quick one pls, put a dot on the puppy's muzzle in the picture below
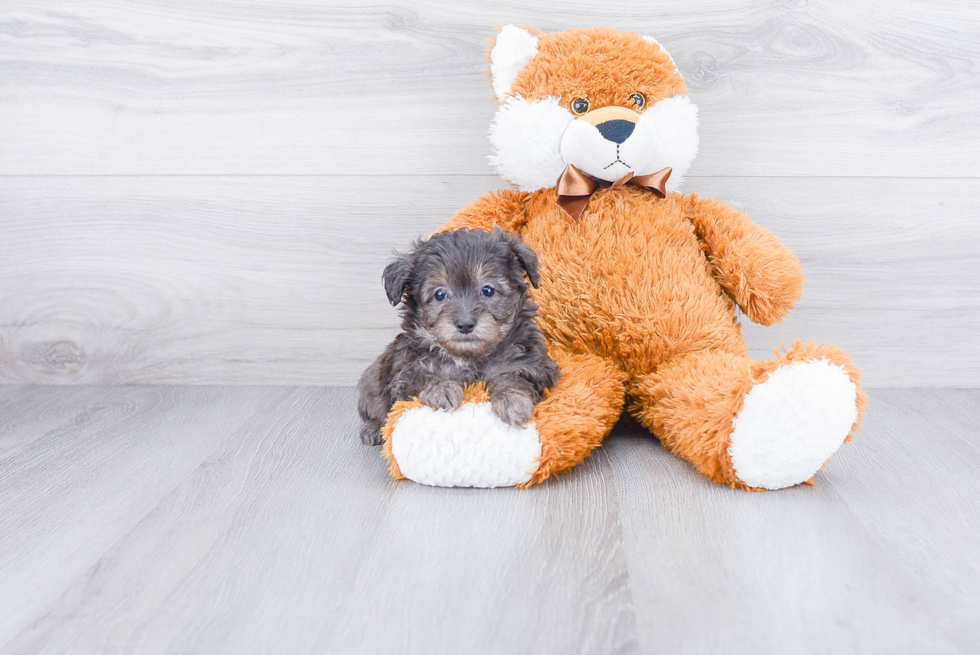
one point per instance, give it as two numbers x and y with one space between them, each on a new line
615 124
465 325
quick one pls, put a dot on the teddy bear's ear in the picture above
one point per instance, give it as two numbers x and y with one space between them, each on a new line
650 39
512 49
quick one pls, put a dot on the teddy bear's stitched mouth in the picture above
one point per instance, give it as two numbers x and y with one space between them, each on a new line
618 161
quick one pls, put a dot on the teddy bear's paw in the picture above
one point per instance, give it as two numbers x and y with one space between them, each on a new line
467 447
791 423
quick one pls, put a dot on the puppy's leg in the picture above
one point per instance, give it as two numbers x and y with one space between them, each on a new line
442 394
372 405
371 433
512 399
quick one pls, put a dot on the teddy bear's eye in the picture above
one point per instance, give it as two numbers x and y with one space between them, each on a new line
638 100
580 106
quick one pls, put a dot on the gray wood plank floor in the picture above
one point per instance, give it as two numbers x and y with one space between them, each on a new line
248 520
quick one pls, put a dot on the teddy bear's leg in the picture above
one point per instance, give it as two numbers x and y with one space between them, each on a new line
756 425
470 447
578 413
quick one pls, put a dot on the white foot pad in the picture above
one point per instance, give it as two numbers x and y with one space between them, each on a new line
468 447
792 423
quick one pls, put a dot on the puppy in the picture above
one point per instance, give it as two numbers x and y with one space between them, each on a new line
465 318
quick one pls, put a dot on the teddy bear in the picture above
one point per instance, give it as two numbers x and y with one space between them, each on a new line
639 285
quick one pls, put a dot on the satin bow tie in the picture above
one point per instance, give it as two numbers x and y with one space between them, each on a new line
575 187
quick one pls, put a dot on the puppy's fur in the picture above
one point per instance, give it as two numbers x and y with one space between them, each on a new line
465 318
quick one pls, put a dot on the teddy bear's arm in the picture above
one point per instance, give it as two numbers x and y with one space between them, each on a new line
753 266
503 209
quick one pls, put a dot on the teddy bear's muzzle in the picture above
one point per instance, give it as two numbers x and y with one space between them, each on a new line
615 124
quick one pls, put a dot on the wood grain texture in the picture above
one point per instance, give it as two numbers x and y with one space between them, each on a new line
250 520
835 87
205 193
538 573
26 415
877 557
70 495
277 279
288 536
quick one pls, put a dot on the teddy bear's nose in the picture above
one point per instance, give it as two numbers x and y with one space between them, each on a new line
616 130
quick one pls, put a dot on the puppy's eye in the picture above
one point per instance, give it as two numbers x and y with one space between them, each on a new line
639 101
488 291
440 295
580 106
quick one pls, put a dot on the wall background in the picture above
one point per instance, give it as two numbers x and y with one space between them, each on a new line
207 192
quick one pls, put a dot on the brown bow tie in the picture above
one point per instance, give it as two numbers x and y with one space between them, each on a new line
575 187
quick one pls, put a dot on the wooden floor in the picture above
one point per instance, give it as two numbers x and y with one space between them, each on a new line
249 520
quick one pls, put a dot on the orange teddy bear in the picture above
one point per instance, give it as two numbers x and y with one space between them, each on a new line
638 286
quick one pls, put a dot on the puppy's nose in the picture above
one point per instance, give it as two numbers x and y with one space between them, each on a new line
465 325
616 131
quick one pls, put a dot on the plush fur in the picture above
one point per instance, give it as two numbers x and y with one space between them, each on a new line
512 48
470 448
534 134
638 296
800 398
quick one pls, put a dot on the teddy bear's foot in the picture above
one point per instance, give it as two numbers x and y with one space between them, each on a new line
467 447
753 425
792 422
471 447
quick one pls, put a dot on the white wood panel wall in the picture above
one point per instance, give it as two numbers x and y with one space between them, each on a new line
202 193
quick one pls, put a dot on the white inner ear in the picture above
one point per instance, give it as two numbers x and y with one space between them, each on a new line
650 39
525 138
513 48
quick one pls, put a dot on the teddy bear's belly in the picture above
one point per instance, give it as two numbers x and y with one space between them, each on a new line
638 287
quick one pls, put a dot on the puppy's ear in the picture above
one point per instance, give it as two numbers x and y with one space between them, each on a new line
526 256
396 277
528 259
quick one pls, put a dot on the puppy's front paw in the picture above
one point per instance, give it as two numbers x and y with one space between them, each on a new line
444 394
371 434
512 408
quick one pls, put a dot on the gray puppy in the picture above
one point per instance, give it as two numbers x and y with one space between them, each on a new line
465 318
